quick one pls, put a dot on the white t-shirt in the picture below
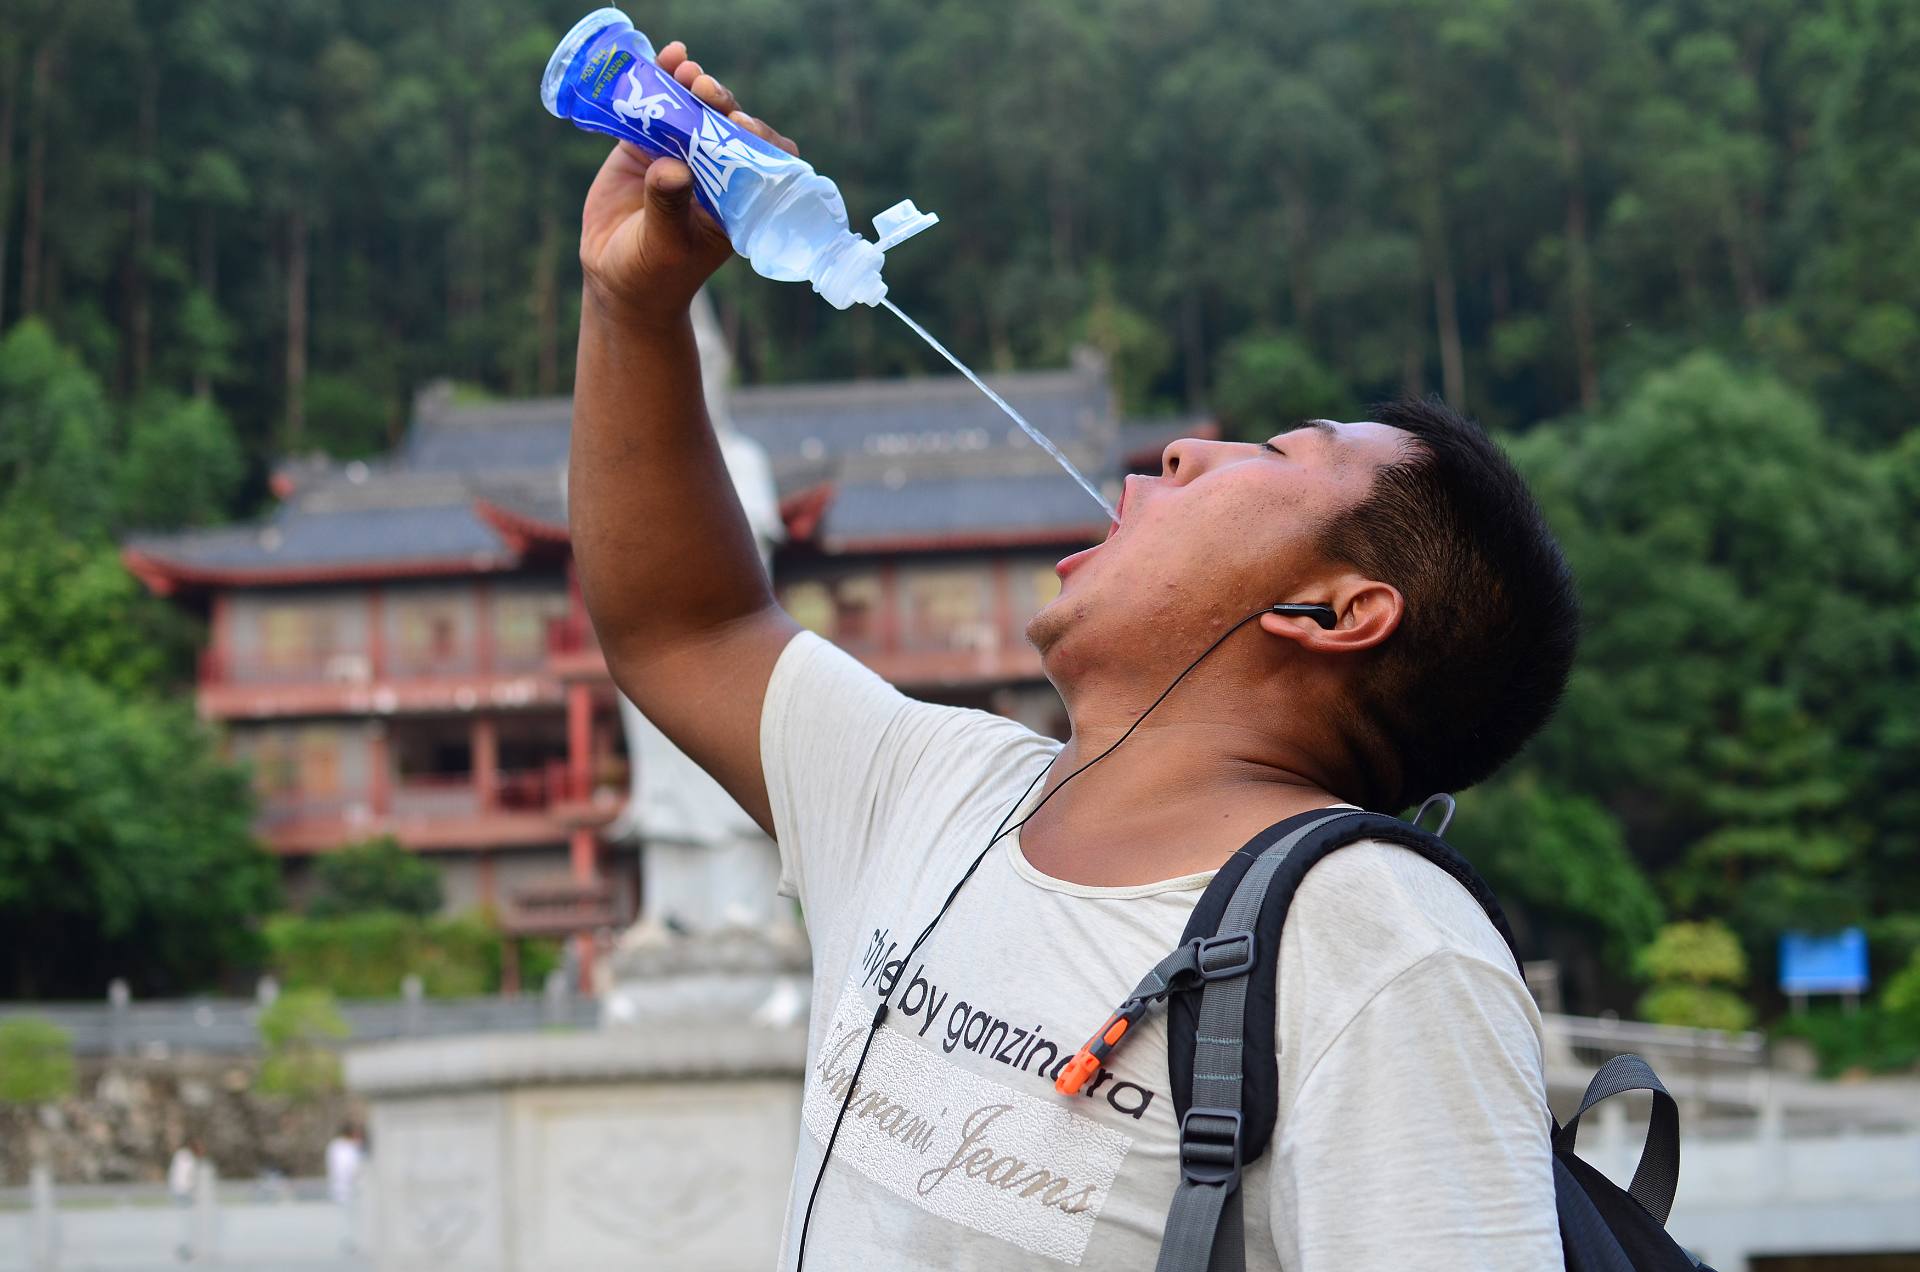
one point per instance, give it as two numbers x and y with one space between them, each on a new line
1412 1126
181 1171
343 1167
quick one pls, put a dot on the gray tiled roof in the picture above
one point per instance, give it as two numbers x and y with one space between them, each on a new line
295 536
909 459
535 496
538 439
1040 504
800 425
924 418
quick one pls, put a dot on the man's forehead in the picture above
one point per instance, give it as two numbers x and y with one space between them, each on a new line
1362 439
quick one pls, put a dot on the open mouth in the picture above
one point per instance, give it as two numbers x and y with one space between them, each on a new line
1067 564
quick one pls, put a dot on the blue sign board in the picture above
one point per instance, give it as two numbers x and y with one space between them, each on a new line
1830 963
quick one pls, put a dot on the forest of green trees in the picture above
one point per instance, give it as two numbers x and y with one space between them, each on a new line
1667 248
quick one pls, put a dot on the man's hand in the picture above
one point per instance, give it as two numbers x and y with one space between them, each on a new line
645 245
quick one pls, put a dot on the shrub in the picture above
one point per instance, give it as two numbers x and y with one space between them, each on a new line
1695 969
1696 953
298 1030
1872 1039
368 955
1696 1006
373 876
36 1061
1900 1005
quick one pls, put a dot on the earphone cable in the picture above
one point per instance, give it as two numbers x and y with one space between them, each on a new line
888 985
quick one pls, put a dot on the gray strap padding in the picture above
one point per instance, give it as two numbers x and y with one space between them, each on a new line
1207 1219
1204 1229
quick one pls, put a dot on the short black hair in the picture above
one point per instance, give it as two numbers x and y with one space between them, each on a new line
1492 621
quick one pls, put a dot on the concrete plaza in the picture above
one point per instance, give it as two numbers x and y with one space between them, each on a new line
267 1236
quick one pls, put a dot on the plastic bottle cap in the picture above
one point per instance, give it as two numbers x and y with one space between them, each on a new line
554 93
899 223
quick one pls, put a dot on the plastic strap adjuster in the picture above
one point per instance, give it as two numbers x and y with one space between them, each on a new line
1235 947
1209 1154
1086 1062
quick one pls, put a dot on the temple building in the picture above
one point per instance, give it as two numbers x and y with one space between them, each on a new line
400 647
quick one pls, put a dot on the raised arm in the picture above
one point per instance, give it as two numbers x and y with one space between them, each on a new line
668 565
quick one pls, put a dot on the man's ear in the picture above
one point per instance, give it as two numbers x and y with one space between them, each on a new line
1368 611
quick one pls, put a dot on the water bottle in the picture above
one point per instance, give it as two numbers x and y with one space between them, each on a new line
784 217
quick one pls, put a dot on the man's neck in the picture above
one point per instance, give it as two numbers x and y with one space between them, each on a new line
1177 798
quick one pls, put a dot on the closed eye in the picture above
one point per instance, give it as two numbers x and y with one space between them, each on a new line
1269 446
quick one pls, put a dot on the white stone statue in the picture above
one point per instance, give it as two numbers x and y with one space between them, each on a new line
704 864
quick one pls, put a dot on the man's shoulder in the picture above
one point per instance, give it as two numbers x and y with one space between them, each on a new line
830 716
819 677
1378 929
1380 909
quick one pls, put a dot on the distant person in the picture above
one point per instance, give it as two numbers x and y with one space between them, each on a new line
183 1174
1413 1119
345 1155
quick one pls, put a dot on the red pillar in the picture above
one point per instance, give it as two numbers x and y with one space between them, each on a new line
582 846
484 743
583 849
221 623
579 739
579 627
583 852
489 887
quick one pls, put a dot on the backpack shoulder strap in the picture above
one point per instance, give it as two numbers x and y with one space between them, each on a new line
1221 1051
1204 1231
1296 846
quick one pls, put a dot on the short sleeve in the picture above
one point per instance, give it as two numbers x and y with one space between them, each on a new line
1419 1137
842 751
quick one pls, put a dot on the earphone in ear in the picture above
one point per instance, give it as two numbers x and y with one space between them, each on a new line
1320 614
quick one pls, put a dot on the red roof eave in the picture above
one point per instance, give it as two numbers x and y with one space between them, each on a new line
801 511
163 577
521 532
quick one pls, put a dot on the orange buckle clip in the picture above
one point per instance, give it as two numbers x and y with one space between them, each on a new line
1074 1076
1086 1061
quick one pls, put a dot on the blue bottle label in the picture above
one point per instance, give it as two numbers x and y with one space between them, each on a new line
620 93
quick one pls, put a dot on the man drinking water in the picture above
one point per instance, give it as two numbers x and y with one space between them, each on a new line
1431 629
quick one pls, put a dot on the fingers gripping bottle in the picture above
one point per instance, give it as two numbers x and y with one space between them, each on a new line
784 217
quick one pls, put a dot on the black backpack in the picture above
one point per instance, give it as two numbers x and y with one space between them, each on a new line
1220 991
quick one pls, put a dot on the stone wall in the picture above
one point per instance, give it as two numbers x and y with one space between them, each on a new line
127 1117
654 1149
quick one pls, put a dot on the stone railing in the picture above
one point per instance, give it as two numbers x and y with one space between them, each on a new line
121 1026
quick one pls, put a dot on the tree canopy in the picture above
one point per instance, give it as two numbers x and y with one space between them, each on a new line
125 843
302 211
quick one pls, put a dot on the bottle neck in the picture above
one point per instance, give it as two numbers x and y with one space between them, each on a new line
848 272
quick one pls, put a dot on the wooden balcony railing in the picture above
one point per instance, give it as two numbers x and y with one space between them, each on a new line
435 795
346 667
